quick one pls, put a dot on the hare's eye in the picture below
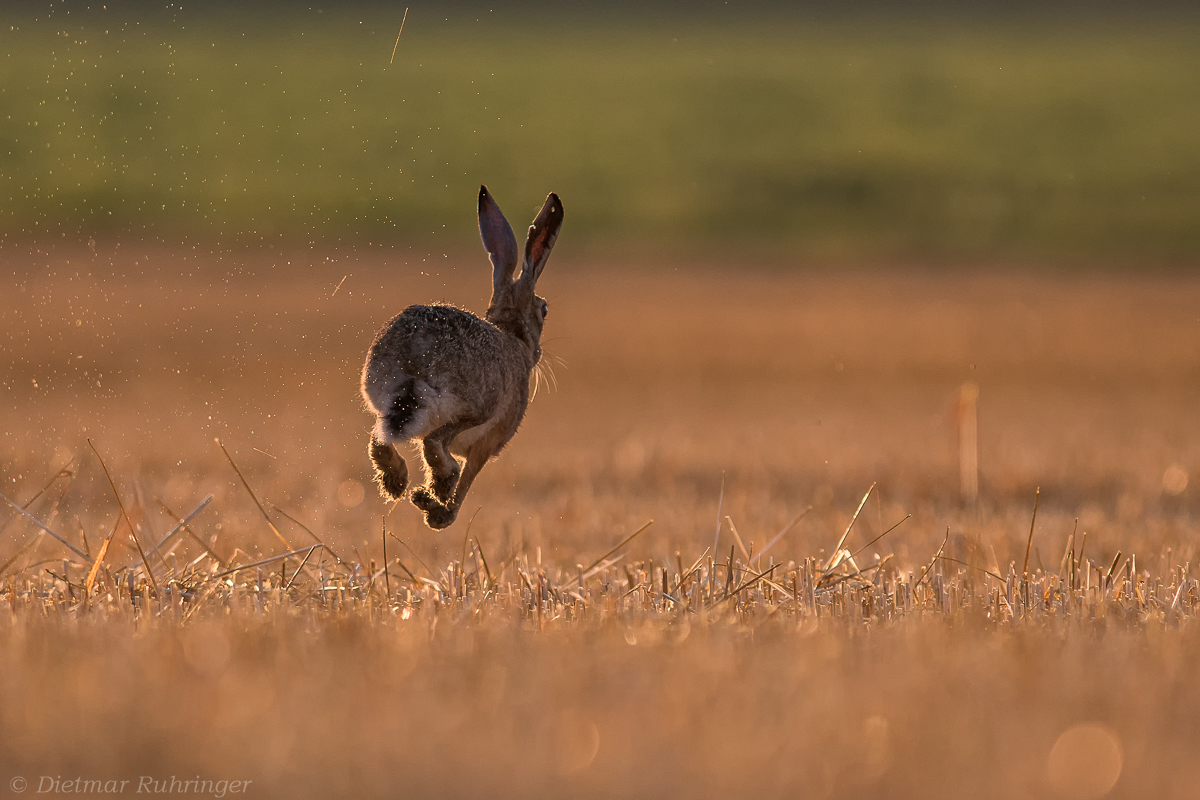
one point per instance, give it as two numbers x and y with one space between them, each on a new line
545 310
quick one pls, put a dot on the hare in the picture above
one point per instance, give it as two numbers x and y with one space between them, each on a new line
458 382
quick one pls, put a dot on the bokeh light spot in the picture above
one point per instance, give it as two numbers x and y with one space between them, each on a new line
576 742
350 493
1085 762
1175 480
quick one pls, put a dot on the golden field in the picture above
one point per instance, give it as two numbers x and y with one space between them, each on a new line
494 662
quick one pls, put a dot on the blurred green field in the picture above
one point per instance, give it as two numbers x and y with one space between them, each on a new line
867 138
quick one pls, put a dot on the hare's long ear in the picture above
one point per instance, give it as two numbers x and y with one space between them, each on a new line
542 235
498 240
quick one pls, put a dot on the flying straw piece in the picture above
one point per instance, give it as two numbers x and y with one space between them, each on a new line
343 280
393 58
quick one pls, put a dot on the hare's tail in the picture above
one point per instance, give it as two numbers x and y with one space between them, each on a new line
400 406
399 417
391 472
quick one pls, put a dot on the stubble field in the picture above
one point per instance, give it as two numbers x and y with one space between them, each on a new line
518 653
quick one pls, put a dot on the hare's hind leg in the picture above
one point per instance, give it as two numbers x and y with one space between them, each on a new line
435 496
442 515
391 473
437 515
443 467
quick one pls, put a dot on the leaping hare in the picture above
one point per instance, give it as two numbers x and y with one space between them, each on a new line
458 382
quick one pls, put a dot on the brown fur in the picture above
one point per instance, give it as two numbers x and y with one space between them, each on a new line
455 381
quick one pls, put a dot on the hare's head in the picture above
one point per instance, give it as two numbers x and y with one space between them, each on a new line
515 308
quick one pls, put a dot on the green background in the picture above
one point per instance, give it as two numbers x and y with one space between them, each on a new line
865 135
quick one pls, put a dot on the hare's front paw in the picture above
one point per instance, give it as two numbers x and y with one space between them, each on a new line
437 516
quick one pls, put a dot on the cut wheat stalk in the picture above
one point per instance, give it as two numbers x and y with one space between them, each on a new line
622 543
253 496
265 561
181 524
132 532
64 472
838 548
38 522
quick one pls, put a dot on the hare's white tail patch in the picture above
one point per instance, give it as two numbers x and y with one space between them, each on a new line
411 408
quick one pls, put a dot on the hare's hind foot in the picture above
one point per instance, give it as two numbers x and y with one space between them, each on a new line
444 468
443 485
391 472
437 515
